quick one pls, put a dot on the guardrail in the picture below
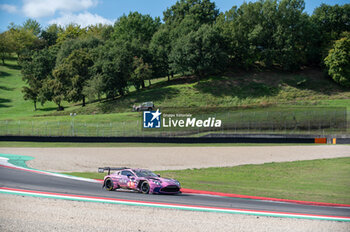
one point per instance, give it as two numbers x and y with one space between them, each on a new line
80 139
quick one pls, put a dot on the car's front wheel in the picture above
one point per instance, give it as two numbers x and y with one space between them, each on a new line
109 186
145 187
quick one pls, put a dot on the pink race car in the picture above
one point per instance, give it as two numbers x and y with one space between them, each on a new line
140 180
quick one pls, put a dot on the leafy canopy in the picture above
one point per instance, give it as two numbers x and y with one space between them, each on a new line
338 61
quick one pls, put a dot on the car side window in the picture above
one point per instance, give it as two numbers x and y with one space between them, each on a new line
126 173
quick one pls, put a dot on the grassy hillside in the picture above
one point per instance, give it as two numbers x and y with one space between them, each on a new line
257 89
12 104
233 89
250 97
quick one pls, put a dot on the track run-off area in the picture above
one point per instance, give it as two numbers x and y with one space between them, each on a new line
17 179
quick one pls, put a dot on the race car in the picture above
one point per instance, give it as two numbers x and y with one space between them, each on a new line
140 180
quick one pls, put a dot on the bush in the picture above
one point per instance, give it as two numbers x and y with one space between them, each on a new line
338 61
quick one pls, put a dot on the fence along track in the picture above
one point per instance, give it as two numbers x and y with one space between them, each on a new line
323 121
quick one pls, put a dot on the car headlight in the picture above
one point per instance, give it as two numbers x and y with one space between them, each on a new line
177 182
157 182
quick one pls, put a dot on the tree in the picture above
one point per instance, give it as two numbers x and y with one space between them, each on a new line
101 31
74 71
107 32
6 46
32 26
114 63
136 30
267 32
30 94
72 31
21 39
160 49
338 61
35 70
248 32
329 22
186 16
202 11
87 43
291 34
200 52
142 71
50 34
55 88
94 87
135 26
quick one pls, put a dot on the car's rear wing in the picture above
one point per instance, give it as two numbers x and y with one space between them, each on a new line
109 169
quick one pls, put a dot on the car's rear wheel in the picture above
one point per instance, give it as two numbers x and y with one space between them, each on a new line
109 186
145 187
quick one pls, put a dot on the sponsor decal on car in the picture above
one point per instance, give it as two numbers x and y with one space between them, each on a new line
131 184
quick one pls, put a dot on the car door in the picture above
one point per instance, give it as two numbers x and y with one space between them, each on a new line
124 179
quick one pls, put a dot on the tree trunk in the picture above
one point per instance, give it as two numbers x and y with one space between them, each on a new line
60 108
168 77
34 105
83 101
143 84
199 75
3 61
149 81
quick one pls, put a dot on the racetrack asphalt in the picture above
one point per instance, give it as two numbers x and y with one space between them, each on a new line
21 179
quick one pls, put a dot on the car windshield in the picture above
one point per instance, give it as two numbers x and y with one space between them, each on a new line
144 173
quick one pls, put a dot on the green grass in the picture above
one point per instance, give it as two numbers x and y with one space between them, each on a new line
234 89
51 144
242 90
324 180
12 104
252 97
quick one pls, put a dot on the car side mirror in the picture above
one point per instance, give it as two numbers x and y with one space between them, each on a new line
128 176
158 175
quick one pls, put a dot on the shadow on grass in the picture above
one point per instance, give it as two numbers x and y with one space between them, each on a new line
3 103
46 109
13 66
153 94
315 81
6 88
236 87
4 74
175 81
12 58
